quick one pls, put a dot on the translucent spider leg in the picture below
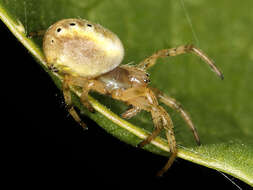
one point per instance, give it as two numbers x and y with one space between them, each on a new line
68 101
168 126
173 149
144 98
172 103
150 61
87 85
161 121
130 112
36 33
84 97
158 127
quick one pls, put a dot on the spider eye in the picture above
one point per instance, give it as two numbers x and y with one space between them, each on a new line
72 24
146 80
89 25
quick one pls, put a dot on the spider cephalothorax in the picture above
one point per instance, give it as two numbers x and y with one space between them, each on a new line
88 56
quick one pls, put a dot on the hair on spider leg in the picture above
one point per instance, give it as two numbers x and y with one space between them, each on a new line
131 63
34 34
69 115
178 129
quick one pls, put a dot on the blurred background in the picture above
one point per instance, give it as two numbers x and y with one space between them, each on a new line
44 145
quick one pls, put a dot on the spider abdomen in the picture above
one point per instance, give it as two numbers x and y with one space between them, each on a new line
81 48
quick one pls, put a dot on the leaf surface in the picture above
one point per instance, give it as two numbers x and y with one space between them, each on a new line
221 110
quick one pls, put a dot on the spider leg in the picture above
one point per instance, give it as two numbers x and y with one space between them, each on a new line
130 112
84 98
36 33
144 98
168 126
172 103
150 61
161 121
173 149
88 85
68 101
158 127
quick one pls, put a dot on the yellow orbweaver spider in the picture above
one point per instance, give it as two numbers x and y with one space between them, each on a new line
88 56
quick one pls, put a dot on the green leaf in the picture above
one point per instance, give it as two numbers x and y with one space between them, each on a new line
221 110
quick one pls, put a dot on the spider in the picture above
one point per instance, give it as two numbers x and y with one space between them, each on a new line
88 56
